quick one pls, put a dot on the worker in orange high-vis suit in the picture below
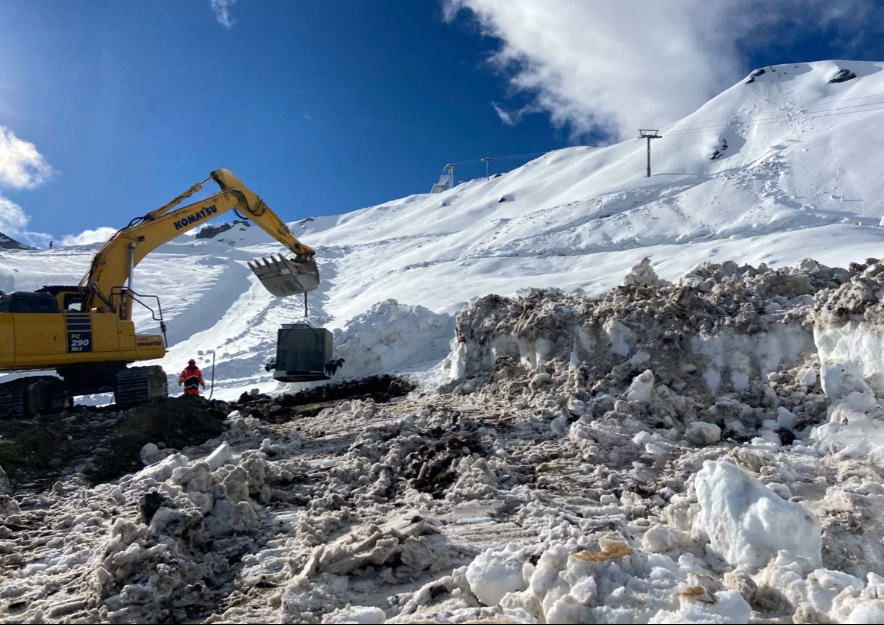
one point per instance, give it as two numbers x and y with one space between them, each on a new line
191 378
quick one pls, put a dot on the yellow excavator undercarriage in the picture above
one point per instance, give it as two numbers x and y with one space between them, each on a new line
85 332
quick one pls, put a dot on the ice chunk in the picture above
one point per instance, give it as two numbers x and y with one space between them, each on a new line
149 454
726 607
642 388
494 573
786 418
659 539
221 456
356 614
702 433
747 523
808 378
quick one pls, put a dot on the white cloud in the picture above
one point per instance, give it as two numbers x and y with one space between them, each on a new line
13 220
87 237
505 116
222 12
21 165
617 66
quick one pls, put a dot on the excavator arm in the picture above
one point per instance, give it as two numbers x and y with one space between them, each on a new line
113 265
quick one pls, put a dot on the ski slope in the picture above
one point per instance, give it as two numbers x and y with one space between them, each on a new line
797 179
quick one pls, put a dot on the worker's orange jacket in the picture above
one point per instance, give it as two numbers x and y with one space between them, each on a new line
191 378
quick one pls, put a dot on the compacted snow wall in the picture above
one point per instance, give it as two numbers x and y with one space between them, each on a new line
718 328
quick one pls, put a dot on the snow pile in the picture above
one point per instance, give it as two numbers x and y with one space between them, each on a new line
555 494
392 337
170 554
598 579
194 516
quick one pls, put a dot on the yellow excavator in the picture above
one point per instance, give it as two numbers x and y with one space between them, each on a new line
85 332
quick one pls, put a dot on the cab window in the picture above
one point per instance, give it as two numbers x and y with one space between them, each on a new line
73 303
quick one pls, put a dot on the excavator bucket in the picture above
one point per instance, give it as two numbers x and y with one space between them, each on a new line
284 277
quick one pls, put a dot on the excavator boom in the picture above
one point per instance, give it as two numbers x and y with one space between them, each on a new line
115 262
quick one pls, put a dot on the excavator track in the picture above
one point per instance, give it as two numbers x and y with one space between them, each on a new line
140 385
26 397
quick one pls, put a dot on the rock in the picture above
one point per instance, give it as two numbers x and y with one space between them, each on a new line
754 75
210 232
702 433
842 75
148 504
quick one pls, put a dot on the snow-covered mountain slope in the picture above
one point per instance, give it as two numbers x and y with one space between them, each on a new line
8 243
795 176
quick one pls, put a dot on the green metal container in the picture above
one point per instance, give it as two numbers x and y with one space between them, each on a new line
302 352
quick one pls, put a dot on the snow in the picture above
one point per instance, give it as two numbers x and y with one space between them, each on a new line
358 614
747 523
392 337
495 573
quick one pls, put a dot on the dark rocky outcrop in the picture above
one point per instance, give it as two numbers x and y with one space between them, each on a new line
8 243
210 232
843 75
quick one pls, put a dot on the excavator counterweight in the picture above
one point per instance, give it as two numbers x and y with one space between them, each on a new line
285 277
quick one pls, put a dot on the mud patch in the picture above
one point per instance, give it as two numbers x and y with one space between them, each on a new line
172 423
35 447
310 402
433 467
101 443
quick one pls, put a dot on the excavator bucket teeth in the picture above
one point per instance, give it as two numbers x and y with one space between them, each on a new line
284 277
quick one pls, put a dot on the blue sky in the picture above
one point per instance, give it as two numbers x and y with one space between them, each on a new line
327 106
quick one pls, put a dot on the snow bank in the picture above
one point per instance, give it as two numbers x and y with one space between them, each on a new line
391 337
747 523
